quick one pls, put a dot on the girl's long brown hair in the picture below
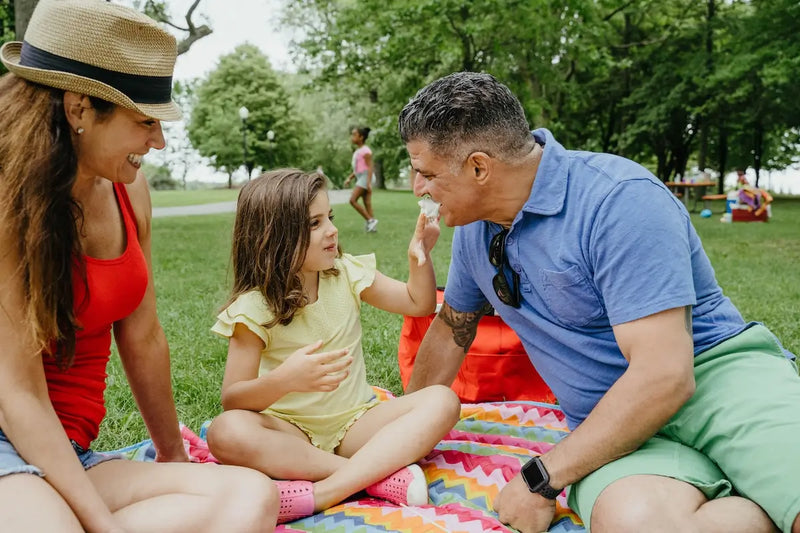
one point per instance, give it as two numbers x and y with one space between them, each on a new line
271 238
38 167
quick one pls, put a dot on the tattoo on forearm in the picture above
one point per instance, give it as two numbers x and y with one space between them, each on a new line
688 319
464 325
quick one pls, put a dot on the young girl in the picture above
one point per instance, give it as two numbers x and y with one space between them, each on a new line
296 399
362 172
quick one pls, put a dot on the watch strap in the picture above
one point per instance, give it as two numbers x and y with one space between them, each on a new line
542 486
548 492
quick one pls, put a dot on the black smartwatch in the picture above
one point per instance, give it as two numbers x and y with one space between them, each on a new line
538 480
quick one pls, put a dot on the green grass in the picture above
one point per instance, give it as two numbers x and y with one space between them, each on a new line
756 264
193 197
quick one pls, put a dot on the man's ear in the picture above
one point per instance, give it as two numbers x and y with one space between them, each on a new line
76 108
480 164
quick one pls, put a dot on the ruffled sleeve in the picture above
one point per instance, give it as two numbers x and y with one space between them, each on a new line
359 270
249 309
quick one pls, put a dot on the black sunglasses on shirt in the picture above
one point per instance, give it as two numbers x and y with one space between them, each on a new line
507 293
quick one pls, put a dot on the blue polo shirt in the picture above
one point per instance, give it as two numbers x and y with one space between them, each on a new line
600 242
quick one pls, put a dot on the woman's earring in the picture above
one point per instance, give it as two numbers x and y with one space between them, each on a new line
79 131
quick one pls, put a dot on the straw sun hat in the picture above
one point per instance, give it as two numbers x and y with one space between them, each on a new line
99 49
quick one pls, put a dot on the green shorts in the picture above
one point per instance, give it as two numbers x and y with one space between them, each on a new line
737 435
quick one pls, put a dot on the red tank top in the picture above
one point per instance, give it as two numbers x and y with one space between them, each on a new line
116 287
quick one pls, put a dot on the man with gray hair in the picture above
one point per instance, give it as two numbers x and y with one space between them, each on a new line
683 416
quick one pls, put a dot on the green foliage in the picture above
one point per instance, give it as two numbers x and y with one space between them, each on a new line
326 119
159 177
669 83
6 25
244 78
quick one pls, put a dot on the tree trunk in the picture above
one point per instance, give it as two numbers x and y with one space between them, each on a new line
703 122
758 149
722 157
377 168
23 9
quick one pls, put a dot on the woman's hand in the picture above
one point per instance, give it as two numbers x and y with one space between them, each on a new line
175 455
425 236
306 371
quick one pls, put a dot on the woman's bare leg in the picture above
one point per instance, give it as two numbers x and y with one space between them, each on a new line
29 503
180 497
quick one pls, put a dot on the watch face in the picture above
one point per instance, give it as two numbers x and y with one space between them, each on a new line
534 474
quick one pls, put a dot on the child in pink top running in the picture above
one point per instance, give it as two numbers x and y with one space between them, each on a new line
296 399
362 172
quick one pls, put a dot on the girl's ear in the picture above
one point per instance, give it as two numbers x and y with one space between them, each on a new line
76 107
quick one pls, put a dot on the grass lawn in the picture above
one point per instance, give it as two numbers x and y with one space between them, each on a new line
194 197
756 264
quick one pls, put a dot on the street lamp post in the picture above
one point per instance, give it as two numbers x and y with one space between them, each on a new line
243 114
270 144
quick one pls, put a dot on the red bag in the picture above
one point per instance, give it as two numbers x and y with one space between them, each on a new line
496 368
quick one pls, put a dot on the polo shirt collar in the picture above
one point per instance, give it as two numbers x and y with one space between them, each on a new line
550 186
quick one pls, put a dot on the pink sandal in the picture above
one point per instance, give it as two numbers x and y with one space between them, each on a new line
407 486
297 500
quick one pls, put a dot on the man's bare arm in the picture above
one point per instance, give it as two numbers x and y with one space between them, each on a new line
444 347
463 325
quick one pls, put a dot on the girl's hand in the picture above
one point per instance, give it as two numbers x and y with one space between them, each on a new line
425 236
306 371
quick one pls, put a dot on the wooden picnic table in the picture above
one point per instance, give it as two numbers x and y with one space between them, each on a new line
697 190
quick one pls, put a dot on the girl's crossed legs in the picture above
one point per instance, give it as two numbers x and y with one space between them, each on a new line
388 437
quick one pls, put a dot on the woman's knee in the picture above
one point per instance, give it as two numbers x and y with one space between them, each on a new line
247 500
29 503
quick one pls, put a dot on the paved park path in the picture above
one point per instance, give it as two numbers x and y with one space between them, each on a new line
338 196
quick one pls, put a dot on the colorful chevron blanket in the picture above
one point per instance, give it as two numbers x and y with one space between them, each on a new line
465 472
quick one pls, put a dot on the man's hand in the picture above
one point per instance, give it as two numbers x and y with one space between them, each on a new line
523 510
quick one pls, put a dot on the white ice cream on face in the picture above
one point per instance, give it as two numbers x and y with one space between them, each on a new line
429 208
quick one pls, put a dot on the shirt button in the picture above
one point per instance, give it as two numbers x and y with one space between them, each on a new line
510 240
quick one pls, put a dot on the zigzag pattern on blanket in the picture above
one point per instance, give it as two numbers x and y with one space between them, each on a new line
465 473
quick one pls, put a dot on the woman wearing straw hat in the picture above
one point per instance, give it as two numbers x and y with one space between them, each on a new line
82 104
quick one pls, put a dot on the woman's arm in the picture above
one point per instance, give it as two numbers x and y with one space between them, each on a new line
26 415
416 297
144 351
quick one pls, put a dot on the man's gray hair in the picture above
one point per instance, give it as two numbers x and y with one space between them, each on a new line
467 112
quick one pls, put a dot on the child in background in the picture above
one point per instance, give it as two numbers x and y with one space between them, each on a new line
295 396
362 172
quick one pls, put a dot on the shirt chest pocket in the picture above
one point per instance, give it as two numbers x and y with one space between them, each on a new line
570 297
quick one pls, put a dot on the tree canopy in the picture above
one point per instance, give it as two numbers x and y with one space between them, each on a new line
244 78
671 83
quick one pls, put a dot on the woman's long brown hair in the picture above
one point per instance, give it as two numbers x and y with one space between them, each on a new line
38 167
271 237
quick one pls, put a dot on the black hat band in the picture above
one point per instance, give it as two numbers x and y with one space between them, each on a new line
140 89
